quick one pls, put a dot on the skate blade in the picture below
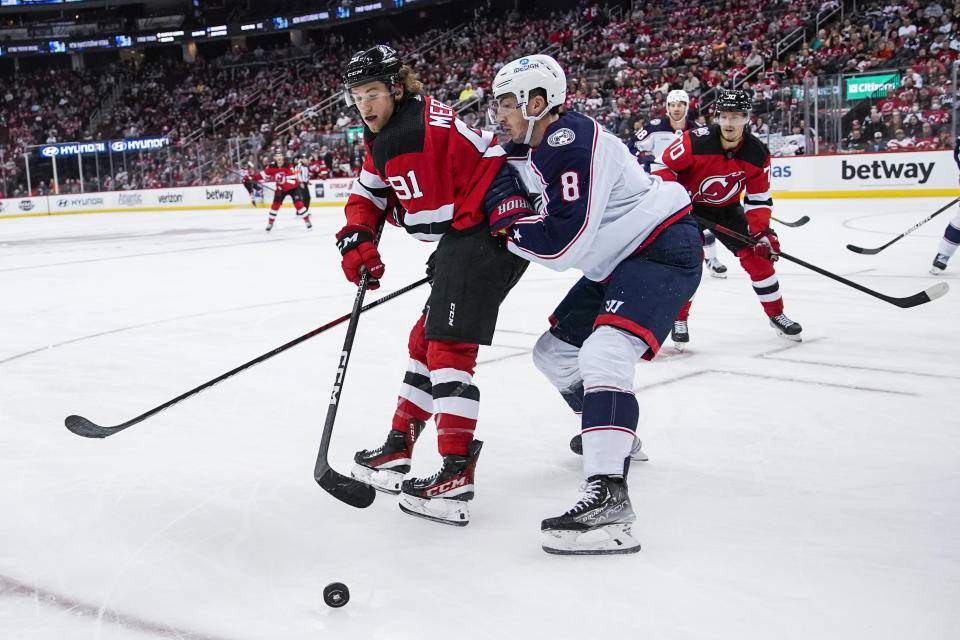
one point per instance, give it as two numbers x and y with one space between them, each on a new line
618 540
380 479
935 271
719 276
796 338
679 346
442 510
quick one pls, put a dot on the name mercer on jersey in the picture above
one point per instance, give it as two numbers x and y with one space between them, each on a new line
440 115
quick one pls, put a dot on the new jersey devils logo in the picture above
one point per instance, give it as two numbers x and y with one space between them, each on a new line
720 189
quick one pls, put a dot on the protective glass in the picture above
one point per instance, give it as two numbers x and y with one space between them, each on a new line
505 107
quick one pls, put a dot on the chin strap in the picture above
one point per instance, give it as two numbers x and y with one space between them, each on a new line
531 120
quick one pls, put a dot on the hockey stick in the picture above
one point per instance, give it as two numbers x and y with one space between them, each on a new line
83 427
796 223
344 488
930 217
928 294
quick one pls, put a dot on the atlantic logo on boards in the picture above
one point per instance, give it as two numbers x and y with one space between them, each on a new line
169 198
130 199
884 170
219 194
26 205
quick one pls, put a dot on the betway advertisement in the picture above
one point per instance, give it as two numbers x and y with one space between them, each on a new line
911 173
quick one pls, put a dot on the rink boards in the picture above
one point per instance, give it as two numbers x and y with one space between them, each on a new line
902 174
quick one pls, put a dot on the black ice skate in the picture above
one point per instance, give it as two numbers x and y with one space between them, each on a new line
939 264
604 508
636 452
786 327
716 268
444 496
306 219
270 225
383 468
680 334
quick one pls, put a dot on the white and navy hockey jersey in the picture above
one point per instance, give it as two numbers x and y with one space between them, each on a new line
595 204
655 136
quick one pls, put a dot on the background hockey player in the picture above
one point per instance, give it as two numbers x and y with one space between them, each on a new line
443 175
249 183
632 236
654 138
951 235
286 179
716 164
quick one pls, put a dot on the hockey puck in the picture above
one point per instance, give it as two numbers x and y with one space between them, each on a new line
336 594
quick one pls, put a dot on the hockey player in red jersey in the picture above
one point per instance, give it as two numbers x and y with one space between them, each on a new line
428 172
654 138
716 164
286 179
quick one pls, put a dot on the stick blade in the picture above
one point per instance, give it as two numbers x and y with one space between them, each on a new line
83 427
930 293
346 489
869 252
796 223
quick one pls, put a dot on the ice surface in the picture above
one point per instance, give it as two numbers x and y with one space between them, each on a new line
793 491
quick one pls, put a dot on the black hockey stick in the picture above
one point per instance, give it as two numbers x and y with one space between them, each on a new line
83 427
796 223
344 488
930 217
928 294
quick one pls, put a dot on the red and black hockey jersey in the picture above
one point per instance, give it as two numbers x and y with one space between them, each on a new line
285 178
437 166
715 177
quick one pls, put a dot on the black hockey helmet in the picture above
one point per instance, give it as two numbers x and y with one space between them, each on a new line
376 63
733 100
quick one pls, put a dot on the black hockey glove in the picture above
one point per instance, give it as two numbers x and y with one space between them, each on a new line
506 200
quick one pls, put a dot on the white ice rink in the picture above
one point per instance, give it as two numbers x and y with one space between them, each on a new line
794 491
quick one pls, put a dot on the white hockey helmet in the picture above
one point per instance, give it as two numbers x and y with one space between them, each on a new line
523 75
678 95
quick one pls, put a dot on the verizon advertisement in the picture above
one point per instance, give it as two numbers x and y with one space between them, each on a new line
910 173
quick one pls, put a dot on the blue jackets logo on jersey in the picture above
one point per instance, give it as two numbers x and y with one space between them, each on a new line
561 137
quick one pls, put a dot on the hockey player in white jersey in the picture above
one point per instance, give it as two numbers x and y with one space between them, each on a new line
633 238
650 143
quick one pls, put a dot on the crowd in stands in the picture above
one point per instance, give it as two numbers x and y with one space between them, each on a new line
620 64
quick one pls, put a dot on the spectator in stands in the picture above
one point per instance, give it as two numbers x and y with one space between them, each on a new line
900 141
691 85
856 143
879 142
874 125
760 127
912 126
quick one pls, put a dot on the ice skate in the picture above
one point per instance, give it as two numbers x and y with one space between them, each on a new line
599 524
637 453
306 219
939 264
444 497
716 268
786 327
680 334
270 225
383 468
